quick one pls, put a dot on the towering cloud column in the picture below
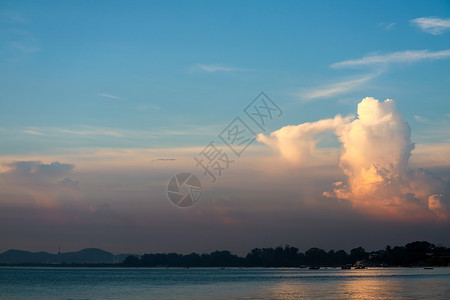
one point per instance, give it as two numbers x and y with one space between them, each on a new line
376 147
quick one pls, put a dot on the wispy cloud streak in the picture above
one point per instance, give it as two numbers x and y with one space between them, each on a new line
378 63
337 88
408 56
109 96
163 159
434 26
387 26
211 68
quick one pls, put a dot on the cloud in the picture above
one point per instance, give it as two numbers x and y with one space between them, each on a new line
104 214
408 56
435 204
135 189
386 26
67 182
109 96
376 148
46 193
38 169
422 120
211 68
337 88
37 184
33 132
85 133
297 143
437 128
434 26
91 131
164 159
377 62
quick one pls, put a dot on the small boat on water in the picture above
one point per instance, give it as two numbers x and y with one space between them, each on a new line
346 267
428 268
314 268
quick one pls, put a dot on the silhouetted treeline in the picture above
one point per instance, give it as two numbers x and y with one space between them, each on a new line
412 254
214 259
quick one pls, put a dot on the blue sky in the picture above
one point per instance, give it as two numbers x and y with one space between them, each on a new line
107 87
60 61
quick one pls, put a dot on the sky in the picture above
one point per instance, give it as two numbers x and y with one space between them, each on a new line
309 123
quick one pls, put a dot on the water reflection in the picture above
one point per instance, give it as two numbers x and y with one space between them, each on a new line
338 284
369 288
286 291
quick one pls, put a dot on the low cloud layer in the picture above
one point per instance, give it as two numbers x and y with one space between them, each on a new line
38 169
376 148
111 198
37 183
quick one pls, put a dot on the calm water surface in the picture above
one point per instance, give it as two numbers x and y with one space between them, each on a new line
199 283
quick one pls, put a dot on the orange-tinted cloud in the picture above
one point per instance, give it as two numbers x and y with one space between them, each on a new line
376 148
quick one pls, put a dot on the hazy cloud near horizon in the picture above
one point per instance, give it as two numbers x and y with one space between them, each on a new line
308 196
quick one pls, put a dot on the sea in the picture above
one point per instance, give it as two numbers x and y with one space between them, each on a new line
229 283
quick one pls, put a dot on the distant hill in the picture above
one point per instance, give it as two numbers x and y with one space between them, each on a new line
85 256
20 256
88 255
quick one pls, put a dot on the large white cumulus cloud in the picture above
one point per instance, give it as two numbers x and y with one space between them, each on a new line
376 147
